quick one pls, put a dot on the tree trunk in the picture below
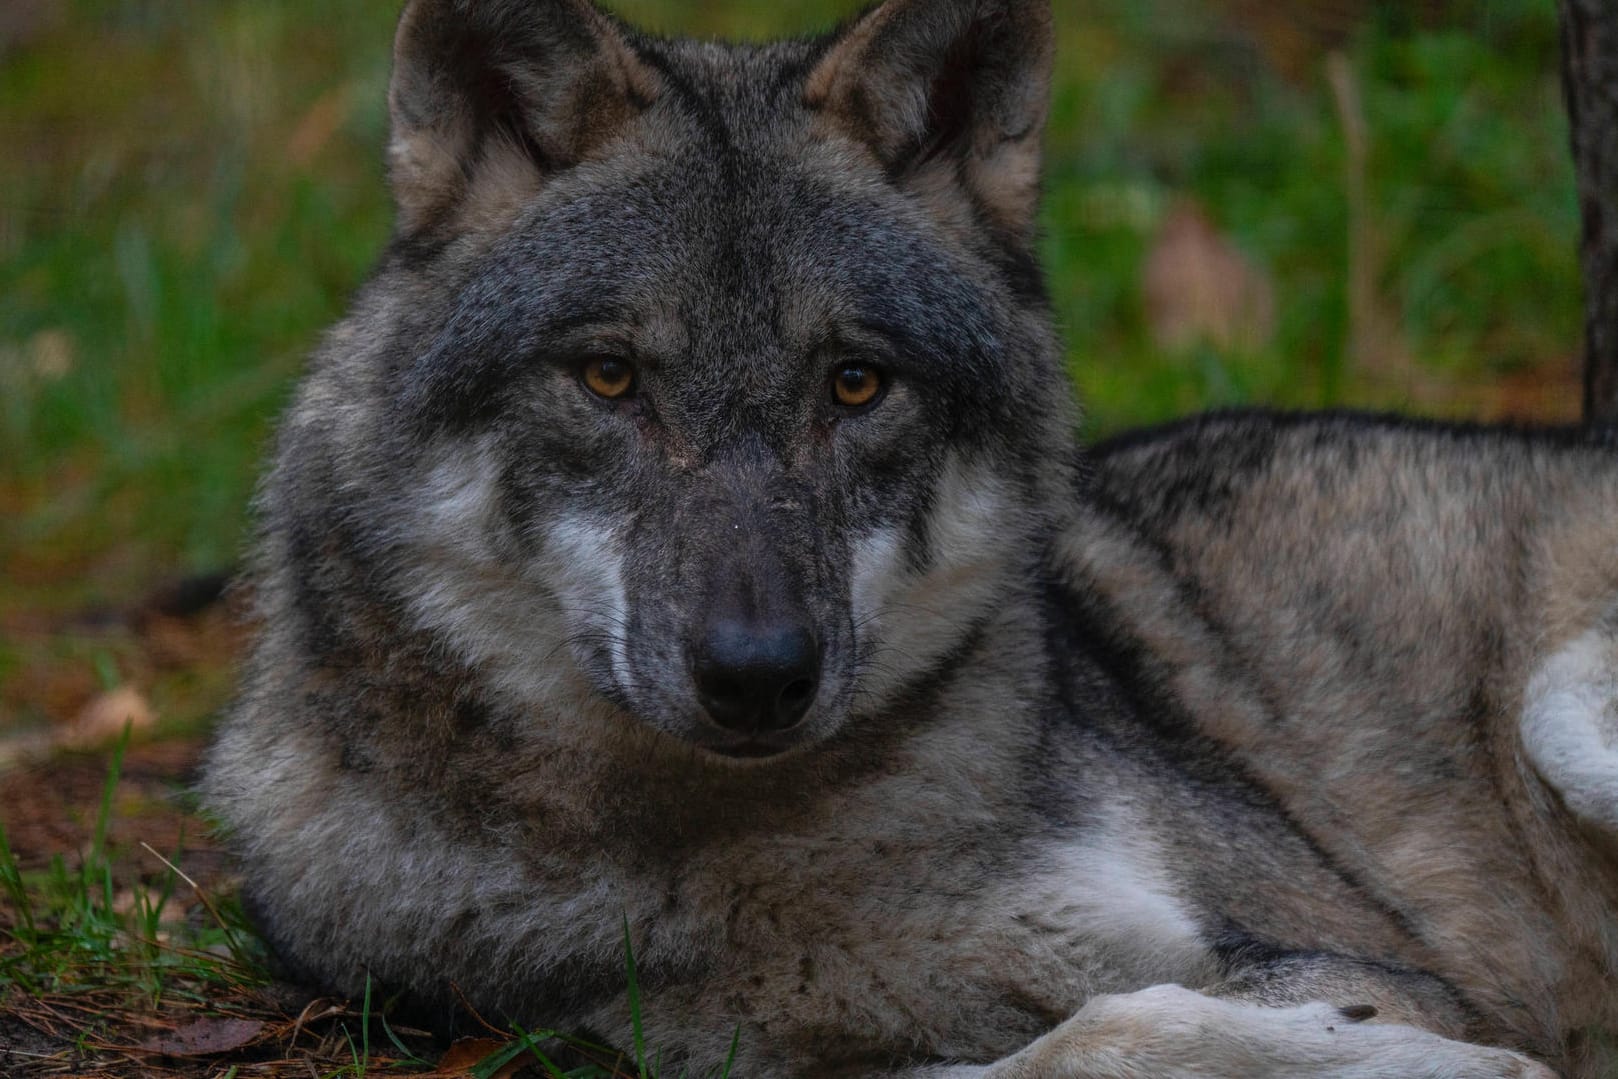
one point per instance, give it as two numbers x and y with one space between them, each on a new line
1590 84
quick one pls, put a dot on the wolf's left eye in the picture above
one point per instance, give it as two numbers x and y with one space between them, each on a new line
856 385
608 377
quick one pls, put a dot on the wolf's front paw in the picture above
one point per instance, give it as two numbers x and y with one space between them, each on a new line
1168 1032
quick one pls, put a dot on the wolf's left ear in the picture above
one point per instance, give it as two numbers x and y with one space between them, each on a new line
962 84
489 97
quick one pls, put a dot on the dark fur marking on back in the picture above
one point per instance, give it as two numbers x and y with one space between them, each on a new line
1246 422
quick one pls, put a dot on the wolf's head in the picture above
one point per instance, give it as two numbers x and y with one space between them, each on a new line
712 382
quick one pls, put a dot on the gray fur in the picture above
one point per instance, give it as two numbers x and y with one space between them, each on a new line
1231 706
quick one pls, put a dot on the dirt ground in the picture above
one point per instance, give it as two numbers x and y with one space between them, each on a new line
257 1027
164 667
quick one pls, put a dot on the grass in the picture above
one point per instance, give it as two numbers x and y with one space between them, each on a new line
93 956
81 929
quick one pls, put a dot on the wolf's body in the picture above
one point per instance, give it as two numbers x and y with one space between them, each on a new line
1177 757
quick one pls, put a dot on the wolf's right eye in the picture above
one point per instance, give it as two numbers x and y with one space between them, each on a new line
608 377
856 385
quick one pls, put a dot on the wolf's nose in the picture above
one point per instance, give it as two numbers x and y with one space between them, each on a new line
756 678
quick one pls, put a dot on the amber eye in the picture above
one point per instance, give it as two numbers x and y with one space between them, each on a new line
855 385
608 376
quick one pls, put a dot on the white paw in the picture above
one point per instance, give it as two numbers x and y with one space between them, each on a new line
1168 1032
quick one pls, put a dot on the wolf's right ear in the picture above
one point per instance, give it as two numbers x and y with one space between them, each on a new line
948 94
490 96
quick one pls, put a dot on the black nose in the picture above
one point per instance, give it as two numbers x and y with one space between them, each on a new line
756 678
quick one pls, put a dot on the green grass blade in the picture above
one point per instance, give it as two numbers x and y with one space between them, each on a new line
108 892
634 1002
115 770
409 1057
354 1053
365 1020
489 1065
730 1058
545 1062
11 881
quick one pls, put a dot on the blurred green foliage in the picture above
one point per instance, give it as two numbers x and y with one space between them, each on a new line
189 190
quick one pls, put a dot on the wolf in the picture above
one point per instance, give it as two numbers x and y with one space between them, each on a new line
684 538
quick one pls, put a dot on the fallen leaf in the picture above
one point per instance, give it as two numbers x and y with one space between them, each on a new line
323 120
1200 288
103 719
53 354
205 1037
467 1053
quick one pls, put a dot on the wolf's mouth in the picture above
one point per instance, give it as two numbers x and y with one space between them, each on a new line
751 749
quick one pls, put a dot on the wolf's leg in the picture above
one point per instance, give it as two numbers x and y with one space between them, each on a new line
1271 1020
1168 1032
1570 724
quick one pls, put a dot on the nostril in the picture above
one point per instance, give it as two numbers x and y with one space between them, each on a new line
794 700
756 678
800 690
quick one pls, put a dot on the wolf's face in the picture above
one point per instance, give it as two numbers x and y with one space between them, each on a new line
726 391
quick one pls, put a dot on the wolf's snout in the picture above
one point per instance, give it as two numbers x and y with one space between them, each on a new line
756 678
